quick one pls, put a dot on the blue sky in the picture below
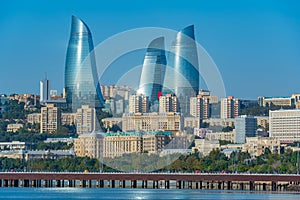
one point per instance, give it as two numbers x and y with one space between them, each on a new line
255 44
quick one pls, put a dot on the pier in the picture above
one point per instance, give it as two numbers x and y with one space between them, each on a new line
259 182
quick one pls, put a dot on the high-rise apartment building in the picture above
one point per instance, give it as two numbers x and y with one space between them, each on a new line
284 125
200 107
85 119
50 118
153 70
139 104
245 126
230 107
81 78
168 103
44 90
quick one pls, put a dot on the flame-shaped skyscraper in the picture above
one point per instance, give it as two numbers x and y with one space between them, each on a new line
153 70
183 59
81 78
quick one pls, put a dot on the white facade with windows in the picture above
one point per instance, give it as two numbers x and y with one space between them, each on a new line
285 125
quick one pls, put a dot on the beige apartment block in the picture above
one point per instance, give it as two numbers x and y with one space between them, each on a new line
285 125
89 144
68 118
228 136
199 107
85 119
139 104
50 118
117 144
277 101
113 121
192 122
204 146
34 118
13 127
168 103
230 107
152 122
206 94
257 145
120 143
220 122
262 121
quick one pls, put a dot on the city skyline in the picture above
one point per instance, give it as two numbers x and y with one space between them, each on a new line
248 41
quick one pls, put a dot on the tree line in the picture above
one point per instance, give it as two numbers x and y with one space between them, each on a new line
216 161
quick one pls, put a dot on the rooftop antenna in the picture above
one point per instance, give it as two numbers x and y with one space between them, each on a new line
45 75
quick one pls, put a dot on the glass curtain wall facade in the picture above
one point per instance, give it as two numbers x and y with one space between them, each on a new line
184 60
153 71
81 76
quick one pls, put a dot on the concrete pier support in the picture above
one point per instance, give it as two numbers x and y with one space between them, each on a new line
71 183
25 183
251 185
167 184
113 183
190 185
5 183
264 187
219 185
211 185
178 184
229 185
133 184
241 186
83 183
39 183
143 184
16 183
274 186
58 183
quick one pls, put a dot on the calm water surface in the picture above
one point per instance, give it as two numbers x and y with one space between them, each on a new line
96 193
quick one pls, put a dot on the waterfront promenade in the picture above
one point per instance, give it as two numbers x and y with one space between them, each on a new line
261 182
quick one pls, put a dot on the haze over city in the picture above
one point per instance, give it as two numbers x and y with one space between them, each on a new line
255 44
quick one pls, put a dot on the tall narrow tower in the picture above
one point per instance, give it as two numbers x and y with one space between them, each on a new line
81 78
184 60
44 90
153 70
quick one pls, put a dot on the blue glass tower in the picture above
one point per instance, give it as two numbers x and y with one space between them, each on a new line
81 79
184 60
153 70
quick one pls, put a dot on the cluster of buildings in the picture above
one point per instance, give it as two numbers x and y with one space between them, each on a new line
51 117
19 150
164 110
110 145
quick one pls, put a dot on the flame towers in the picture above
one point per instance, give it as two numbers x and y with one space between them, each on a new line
153 70
81 79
